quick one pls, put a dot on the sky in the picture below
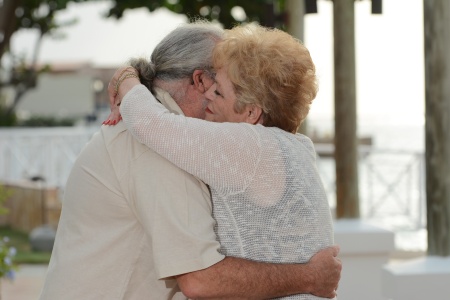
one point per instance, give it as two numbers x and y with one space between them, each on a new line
389 61
389 52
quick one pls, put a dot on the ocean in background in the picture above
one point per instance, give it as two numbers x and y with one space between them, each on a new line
391 179
385 136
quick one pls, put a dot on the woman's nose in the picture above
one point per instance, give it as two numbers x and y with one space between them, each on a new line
207 82
209 94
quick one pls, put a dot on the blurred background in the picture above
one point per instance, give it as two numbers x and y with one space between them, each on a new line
389 53
57 58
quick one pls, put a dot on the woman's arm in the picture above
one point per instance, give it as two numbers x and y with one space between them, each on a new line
223 155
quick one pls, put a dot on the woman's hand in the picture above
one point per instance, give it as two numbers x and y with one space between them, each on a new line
123 80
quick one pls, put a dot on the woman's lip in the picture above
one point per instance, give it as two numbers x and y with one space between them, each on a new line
207 110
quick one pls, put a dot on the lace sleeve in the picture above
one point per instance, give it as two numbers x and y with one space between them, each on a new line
223 155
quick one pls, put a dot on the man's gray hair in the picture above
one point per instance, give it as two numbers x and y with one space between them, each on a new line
187 48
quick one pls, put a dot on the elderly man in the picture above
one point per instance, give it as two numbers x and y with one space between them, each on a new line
134 226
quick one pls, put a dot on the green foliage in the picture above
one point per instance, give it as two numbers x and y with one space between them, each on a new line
261 11
7 253
41 121
35 14
4 195
20 241
39 14
7 120
15 246
22 74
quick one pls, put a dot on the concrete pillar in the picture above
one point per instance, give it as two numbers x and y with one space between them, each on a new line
423 278
365 249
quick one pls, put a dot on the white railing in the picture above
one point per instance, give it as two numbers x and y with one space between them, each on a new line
47 153
391 186
391 183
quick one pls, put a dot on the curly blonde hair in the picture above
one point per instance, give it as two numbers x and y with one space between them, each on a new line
271 69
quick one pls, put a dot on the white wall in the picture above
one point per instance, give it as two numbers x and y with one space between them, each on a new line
59 95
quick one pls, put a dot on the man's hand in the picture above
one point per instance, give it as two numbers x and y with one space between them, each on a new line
237 278
325 268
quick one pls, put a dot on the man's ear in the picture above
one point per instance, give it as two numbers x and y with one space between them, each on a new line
254 114
198 81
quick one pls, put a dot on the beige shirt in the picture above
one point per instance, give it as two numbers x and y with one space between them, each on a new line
129 219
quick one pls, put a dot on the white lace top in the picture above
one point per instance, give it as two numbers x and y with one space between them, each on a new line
268 198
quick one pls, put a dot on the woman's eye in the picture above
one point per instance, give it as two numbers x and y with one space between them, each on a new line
217 93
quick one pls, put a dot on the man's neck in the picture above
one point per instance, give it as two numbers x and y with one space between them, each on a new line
179 91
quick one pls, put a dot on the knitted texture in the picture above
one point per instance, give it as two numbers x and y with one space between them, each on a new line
268 198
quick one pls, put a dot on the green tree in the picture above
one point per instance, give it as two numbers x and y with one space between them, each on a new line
28 14
266 12
7 253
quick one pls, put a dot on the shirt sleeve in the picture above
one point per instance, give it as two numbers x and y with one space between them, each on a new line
174 209
223 155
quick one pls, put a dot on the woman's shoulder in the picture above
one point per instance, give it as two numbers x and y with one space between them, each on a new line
284 139
306 142
286 135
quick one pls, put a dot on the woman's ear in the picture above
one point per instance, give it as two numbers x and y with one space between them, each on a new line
254 114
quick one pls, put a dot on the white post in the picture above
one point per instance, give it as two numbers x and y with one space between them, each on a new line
365 249
419 279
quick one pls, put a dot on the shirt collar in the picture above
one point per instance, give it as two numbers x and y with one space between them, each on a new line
167 101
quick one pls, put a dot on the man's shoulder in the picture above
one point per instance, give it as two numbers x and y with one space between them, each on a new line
127 152
121 144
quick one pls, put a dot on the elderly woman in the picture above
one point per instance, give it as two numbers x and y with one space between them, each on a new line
268 198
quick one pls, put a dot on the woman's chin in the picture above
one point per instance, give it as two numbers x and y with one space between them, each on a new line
209 117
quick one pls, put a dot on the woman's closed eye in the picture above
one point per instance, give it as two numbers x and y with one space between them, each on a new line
217 93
